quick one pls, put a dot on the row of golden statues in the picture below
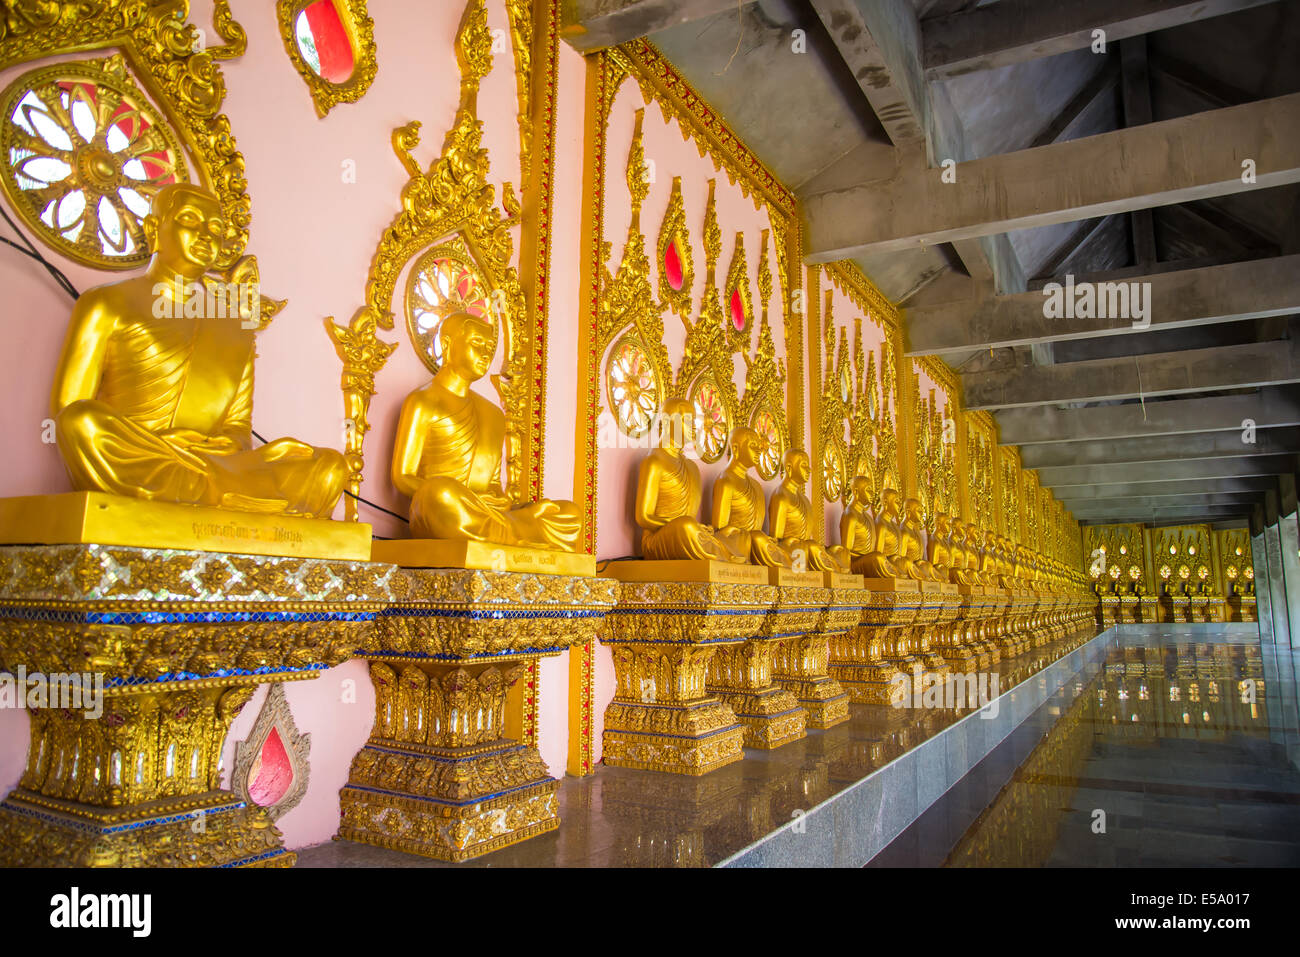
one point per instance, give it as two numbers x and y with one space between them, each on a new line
190 567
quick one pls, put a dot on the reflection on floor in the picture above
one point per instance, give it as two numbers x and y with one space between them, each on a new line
624 817
1164 759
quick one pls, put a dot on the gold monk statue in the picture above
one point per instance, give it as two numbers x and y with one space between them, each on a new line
738 505
787 518
879 538
668 493
938 549
910 561
976 577
153 397
447 457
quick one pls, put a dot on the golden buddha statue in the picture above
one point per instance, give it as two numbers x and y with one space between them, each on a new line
447 456
938 549
991 561
787 518
974 556
872 543
668 492
911 562
738 505
153 397
960 557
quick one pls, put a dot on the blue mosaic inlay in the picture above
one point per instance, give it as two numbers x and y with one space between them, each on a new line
493 614
64 616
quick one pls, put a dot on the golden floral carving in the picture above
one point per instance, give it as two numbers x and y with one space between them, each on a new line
674 231
450 202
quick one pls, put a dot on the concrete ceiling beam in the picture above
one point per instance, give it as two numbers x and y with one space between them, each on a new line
1173 161
590 25
1268 408
1165 448
1078 497
1015 31
1246 366
1171 300
1159 472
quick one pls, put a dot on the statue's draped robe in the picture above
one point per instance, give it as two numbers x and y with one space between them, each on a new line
460 495
744 528
795 506
171 422
682 536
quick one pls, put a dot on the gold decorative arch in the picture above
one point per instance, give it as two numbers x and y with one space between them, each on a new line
450 203
763 406
360 30
674 232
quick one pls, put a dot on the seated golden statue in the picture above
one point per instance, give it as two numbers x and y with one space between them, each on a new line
668 492
447 457
153 398
910 561
871 543
738 505
991 561
960 558
973 558
787 518
938 549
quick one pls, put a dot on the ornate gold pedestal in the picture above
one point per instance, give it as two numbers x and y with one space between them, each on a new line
670 619
180 640
1181 607
439 775
802 664
956 639
858 657
741 675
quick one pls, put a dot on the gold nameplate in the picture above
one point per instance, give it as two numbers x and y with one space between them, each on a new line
942 588
840 580
486 556
789 578
892 584
686 570
97 518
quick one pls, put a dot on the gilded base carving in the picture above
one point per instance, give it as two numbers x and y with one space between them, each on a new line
741 676
208 830
439 776
802 667
445 804
175 642
664 635
693 737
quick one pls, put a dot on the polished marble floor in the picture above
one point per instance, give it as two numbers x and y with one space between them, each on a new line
1174 754
622 817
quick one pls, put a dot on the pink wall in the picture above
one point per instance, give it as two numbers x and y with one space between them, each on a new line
314 234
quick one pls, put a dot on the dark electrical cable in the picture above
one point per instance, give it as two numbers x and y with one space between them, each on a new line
350 494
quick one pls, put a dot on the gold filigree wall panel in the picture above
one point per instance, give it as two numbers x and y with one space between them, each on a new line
1116 555
981 456
452 207
331 44
172 88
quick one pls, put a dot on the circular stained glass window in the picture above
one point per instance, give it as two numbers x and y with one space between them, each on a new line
713 424
1134 573
1231 572
442 282
771 448
85 153
1184 572
1249 573
632 387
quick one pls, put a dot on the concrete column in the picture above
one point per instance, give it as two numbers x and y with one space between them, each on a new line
1276 587
1289 547
1263 597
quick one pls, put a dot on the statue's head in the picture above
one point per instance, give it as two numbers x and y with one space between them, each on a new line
861 487
744 447
958 530
677 423
941 523
797 467
467 345
889 500
912 509
185 229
